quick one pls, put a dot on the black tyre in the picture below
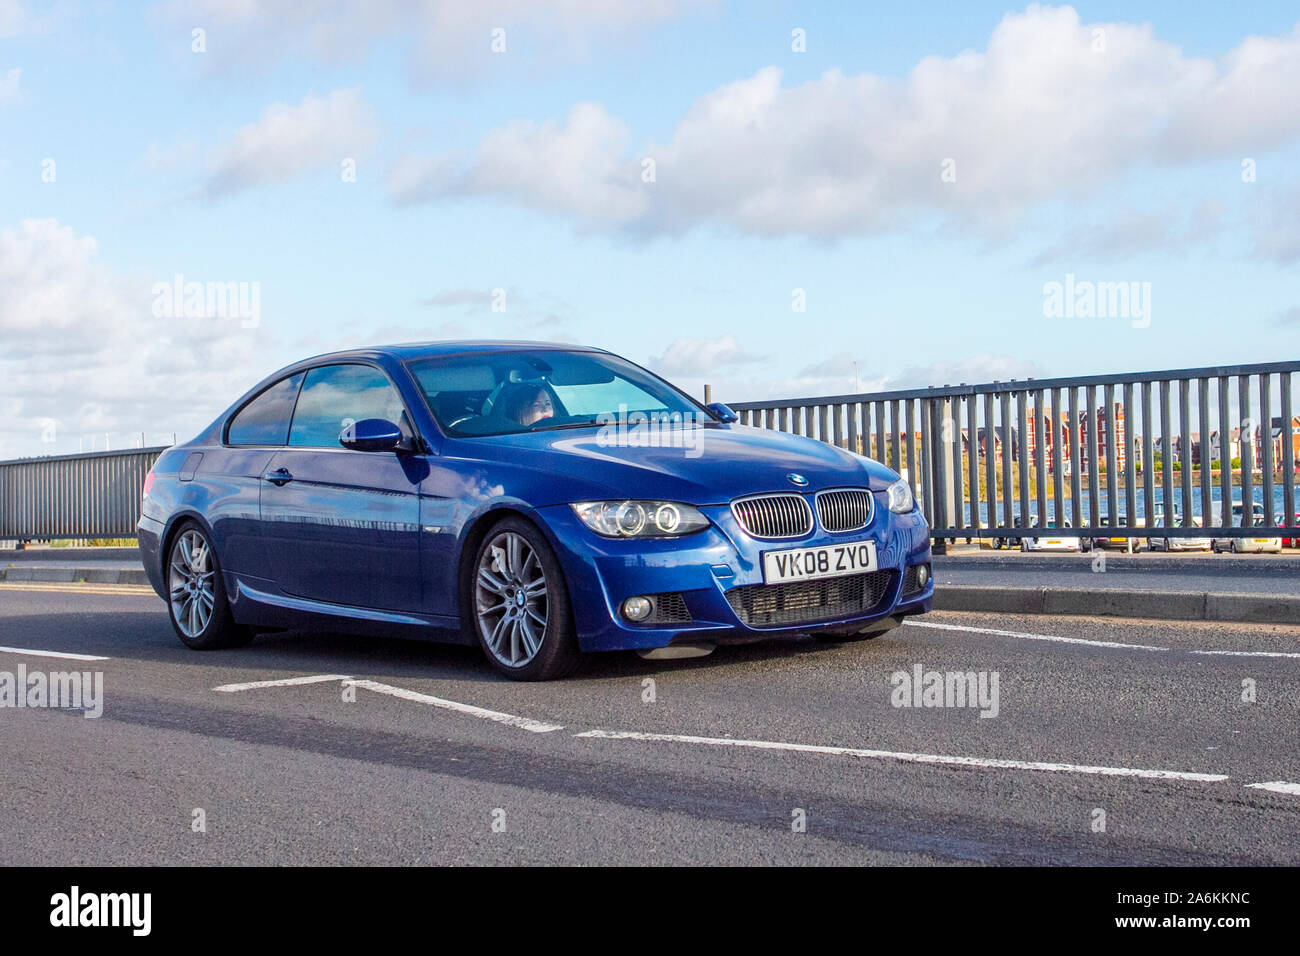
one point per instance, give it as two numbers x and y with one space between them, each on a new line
196 594
517 604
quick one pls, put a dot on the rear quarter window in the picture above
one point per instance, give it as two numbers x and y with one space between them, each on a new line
265 420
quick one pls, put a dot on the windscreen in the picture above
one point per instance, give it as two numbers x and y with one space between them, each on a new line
502 393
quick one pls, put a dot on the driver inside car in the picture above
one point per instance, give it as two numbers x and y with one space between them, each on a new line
528 404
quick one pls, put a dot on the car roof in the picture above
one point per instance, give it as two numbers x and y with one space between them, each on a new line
414 350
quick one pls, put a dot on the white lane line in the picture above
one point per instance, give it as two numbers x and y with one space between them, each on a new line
1036 637
981 762
1277 786
286 682
62 654
523 723
1248 653
1080 640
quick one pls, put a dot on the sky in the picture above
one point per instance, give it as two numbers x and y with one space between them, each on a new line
777 199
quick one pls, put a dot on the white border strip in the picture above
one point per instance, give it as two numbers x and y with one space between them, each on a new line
523 723
62 654
980 762
287 682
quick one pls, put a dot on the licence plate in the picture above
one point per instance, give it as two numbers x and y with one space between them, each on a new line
1261 540
827 561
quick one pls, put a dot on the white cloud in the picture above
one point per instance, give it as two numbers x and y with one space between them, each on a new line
288 141
688 357
1039 114
449 39
83 349
14 19
9 85
572 167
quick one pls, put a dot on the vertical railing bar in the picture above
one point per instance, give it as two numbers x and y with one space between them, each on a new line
1266 445
973 461
1247 452
1094 452
909 450
1130 464
1185 444
929 462
1022 416
1166 457
1008 516
1225 455
990 462
1040 456
1288 450
1076 461
1058 482
1203 423
1112 456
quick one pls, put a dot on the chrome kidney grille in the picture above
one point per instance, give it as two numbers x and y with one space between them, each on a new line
844 509
773 516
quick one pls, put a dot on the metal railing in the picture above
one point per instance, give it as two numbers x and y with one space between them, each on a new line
986 461
95 495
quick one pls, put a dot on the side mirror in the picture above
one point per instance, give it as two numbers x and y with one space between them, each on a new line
371 434
723 413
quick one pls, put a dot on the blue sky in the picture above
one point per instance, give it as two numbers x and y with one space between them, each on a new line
775 171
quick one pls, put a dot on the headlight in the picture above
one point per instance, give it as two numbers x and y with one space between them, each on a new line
900 497
640 519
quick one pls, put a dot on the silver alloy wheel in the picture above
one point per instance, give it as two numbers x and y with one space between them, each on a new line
511 599
190 583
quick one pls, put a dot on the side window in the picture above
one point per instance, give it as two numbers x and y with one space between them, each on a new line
265 420
335 396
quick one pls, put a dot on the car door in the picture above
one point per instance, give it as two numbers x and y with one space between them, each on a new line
342 526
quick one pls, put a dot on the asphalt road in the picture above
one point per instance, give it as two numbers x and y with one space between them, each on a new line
299 774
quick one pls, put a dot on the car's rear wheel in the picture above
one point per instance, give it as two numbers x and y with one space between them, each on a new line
196 595
520 606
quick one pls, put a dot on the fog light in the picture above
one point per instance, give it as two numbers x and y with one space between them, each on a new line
922 575
637 608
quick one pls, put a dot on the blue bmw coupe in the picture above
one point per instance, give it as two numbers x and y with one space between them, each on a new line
538 500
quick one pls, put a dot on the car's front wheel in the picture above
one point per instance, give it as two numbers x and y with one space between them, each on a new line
520 605
196 595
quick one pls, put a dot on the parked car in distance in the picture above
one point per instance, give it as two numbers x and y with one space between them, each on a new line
1053 539
1113 540
1255 545
533 499
1181 544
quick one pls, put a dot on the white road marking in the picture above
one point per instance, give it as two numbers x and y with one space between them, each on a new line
1035 637
981 762
1248 653
63 654
286 682
1080 640
523 723
1277 786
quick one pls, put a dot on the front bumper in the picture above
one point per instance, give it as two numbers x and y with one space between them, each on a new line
703 567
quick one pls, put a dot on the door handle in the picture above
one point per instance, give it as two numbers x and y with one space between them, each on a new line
279 477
